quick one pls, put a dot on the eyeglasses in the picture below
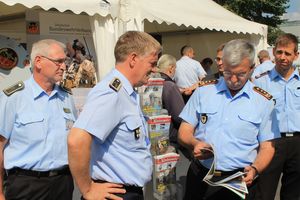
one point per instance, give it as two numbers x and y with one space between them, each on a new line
238 75
218 59
57 62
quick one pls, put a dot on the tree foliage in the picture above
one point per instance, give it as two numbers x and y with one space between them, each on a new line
267 12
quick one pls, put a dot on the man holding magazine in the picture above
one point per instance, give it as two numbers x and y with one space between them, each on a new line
235 118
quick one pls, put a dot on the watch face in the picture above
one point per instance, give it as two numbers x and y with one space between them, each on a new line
8 58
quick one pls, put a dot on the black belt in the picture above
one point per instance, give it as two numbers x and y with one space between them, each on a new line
26 172
128 188
218 173
290 134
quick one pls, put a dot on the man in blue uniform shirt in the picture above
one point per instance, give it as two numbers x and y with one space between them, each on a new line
234 117
283 82
109 148
265 64
35 117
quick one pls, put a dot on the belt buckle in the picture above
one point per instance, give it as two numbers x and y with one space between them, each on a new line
53 173
289 134
217 173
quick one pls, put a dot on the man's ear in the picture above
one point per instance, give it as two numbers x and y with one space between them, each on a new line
37 62
132 59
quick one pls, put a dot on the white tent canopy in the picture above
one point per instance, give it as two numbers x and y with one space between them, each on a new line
110 18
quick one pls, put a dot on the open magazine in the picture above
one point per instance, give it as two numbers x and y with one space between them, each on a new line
233 182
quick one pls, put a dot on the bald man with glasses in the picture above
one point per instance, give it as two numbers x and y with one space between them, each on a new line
35 118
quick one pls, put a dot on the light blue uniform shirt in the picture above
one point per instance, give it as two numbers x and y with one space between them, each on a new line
36 126
287 96
111 117
265 66
188 71
235 125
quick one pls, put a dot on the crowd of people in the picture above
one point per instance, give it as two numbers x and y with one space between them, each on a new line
248 114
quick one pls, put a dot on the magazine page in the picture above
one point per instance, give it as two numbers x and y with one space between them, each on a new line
158 127
233 182
151 93
164 176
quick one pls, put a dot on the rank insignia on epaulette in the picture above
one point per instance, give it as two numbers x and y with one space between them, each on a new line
208 82
115 84
261 75
203 118
14 88
137 133
263 92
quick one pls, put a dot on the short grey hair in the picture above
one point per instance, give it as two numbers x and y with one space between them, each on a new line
42 47
165 61
237 50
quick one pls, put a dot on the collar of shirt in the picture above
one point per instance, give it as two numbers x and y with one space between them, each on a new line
38 91
125 83
274 74
222 87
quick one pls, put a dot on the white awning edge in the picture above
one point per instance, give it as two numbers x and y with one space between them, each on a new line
91 7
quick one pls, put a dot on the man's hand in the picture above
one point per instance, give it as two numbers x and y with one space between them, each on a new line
103 191
202 150
251 174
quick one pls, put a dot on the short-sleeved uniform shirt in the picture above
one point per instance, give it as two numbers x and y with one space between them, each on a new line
234 126
286 94
36 126
114 118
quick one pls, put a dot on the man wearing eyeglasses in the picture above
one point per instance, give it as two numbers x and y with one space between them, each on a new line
234 116
35 118
283 82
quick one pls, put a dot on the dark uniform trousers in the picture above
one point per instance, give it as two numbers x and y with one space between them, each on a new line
132 192
286 161
196 189
32 185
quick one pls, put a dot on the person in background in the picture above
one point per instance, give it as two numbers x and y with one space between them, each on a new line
219 61
188 72
109 146
206 64
265 64
234 116
172 99
283 82
35 118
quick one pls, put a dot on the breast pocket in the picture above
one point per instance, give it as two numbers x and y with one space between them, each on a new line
135 137
248 127
31 127
296 99
207 117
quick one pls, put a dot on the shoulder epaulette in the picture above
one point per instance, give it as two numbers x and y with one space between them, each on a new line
115 84
68 90
263 92
208 82
14 88
261 75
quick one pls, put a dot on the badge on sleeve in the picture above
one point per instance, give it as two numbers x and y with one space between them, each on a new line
137 133
203 118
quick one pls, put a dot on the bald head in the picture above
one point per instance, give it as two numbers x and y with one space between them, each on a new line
263 55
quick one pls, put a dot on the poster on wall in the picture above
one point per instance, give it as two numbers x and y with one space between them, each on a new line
14 62
75 32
